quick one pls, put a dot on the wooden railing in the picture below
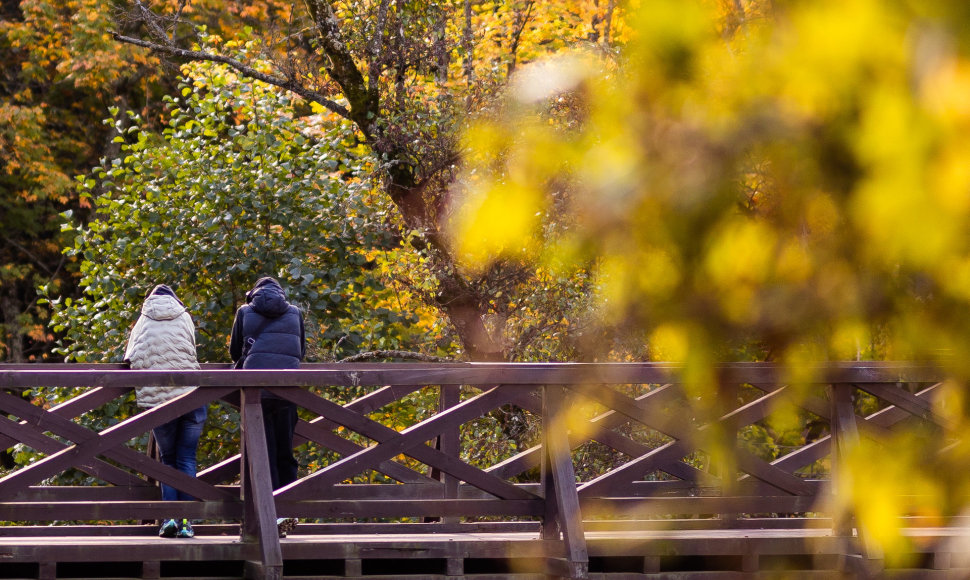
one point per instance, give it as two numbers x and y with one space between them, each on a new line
645 450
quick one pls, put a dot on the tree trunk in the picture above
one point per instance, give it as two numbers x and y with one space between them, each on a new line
455 297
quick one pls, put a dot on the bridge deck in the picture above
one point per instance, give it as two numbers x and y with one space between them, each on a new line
670 554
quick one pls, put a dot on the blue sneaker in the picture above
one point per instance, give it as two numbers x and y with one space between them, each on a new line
169 529
185 529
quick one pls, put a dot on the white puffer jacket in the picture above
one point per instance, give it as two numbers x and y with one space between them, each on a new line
162 338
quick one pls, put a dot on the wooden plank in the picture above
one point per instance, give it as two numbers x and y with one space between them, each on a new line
563 478
225 470
812 452
771 474
664 506
599 430
116 510
449 443
464 374
115 530
128 457
677 429
814 405
369 529
129 549
913 404
47 571
259 512
892 415
98 493
105 440
454 567
756 410
381 433
676 468
551 517
31 432
381 397
353 568
813 548
805 455
847 438
88 400
321 433
619 527
35 439
517 464
391 443
419 508
617 480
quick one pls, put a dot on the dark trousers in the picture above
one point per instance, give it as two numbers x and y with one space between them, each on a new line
177 441
279 422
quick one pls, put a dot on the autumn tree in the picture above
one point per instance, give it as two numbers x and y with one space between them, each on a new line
233 189
61 73
407 74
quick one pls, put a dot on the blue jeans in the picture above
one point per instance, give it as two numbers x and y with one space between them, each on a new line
177 441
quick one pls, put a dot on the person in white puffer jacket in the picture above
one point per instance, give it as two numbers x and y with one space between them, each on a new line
164 338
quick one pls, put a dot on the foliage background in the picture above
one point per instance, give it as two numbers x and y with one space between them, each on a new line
562 180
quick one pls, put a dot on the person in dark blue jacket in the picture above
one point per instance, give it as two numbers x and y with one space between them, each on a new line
268 333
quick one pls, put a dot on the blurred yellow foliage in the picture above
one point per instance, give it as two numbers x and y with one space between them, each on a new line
791 180
790 173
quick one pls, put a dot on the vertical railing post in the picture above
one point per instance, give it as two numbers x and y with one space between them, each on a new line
845 436
259 506
843 430
726 397
450 442
562 513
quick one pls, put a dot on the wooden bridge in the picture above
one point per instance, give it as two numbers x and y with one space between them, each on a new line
652 499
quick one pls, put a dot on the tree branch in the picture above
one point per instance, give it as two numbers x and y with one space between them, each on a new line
377 46
364 103
29 254
467 45
398 354
287 84
521 19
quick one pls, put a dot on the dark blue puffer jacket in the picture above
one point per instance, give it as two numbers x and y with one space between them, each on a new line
275 325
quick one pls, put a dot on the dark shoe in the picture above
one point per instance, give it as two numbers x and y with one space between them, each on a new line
284 525
185 530
169 529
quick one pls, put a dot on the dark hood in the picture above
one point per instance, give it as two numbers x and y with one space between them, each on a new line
163 290
267 298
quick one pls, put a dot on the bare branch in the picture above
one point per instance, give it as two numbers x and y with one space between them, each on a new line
522 17
287 84
28 253
178 16
608 24
364 103
394 354
377 46
151 21
467 43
